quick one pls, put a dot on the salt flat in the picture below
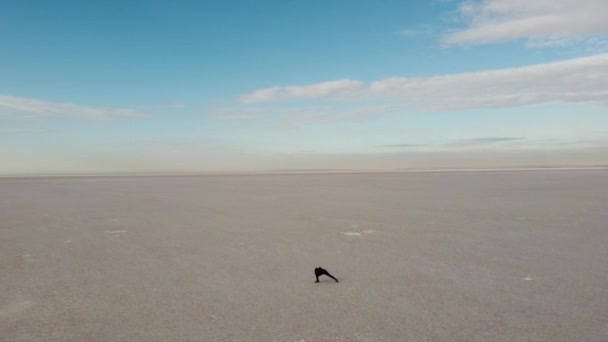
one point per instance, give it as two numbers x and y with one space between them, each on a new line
471 256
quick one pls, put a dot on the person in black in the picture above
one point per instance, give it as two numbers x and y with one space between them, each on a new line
320 271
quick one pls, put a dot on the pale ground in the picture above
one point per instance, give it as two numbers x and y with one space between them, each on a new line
506 256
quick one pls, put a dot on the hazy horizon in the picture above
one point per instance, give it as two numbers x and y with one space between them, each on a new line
353 163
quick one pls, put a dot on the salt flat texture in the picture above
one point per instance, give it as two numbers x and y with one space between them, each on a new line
500 256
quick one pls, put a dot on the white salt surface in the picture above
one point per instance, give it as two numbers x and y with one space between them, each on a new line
438 257
351 233
115 231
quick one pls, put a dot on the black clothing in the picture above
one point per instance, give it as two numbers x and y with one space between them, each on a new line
320 271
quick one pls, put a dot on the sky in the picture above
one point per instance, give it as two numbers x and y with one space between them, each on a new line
243 85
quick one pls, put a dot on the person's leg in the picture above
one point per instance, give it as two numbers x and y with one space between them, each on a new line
332 277
329 275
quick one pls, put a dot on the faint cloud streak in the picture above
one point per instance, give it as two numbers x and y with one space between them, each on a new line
483 141
318 90
28 107
403 145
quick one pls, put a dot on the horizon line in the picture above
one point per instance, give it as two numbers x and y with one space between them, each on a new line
304 172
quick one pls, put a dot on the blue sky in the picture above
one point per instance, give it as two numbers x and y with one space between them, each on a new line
197 86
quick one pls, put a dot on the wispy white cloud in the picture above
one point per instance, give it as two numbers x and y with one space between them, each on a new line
28 107
325 89
580 80
540 22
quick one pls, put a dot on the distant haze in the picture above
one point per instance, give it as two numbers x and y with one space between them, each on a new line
397 161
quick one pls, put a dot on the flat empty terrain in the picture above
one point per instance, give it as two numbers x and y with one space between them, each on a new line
479 256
